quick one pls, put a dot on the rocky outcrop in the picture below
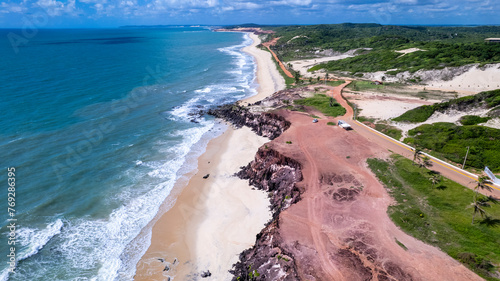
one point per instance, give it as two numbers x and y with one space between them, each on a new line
266 124
276 174
268 259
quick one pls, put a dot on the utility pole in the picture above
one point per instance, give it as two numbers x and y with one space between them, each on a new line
463 166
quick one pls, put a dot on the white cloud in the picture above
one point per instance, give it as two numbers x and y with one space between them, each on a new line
12 8
291 2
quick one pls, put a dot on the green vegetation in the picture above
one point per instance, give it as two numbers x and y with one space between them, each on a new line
335 83
323 104
444 46
440 216
280 257
473 120
401 244
363 85
436 56
391 131
253 274
489 99
288 142
365 119
331 123
451 141
417 115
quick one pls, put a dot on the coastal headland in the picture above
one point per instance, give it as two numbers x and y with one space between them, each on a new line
284 194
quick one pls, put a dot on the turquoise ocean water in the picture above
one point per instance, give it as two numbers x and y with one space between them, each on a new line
99 124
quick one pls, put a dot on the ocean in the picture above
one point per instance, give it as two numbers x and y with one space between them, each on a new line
99 124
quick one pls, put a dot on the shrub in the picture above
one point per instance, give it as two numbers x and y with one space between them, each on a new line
473 120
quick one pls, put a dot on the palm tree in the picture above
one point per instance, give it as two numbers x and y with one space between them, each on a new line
435 179
417 152
483 182
425 161
479 204
477 207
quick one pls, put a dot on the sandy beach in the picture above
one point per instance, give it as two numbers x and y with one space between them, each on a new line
215 218
268 78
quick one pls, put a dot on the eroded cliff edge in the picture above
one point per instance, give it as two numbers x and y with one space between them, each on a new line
277 175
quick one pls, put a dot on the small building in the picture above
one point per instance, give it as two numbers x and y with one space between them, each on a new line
492 40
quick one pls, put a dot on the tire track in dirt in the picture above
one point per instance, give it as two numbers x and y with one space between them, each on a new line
313 185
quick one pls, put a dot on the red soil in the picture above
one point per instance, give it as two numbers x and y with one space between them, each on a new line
340 229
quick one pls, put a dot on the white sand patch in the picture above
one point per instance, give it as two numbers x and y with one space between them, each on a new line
296 37
379 106
465 80
234 213
476 79
492 123
303 65
408 51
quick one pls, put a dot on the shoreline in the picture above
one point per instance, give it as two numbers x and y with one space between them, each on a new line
214 219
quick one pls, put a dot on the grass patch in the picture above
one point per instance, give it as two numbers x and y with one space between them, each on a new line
288 142
365 119
473 120
416 115
401 244
314 116
451 141
324 104
391 131
330 123
364 85
439 216
335 83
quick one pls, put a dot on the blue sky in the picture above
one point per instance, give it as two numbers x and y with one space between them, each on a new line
110 13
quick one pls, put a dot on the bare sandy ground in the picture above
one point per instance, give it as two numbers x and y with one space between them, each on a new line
377 105
476 79
389 104
214 219
303 65
408 51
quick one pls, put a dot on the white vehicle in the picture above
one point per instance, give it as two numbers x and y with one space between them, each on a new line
343 124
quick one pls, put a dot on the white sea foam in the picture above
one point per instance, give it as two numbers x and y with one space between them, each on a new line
90 244
32 241
204 90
